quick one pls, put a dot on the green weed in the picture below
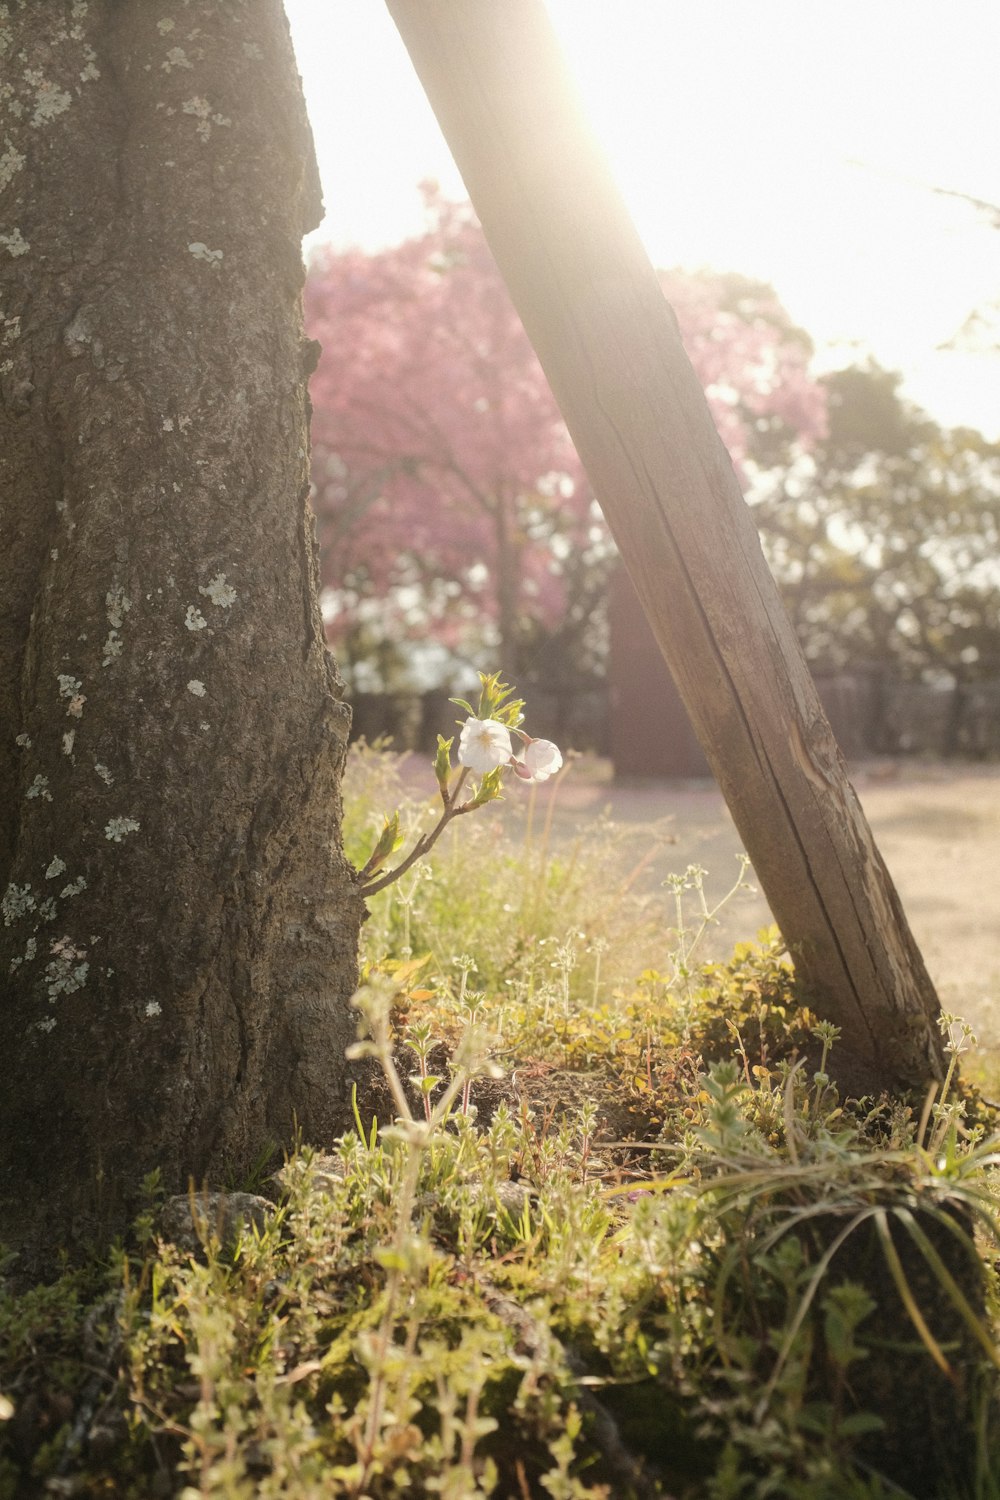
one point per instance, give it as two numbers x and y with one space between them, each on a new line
658 1256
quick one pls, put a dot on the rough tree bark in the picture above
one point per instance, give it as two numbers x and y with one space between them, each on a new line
179 925
609 344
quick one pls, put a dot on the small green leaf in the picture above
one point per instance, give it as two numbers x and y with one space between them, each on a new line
389 841
390 1259
493 702
860 1423
488 789
442 761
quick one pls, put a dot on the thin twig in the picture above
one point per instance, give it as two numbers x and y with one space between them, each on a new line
426 841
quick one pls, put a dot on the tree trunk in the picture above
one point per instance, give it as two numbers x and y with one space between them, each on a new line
180 925
610 346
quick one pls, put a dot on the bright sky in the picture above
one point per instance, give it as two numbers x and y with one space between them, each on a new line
794 140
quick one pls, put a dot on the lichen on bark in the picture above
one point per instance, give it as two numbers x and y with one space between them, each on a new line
155 472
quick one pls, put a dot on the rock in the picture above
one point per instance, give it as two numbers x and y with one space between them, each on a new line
512 1196
190 1219
325 1172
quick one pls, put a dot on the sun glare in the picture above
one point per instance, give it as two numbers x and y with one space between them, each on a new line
797 143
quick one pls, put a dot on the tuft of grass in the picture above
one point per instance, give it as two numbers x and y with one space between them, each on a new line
449 1306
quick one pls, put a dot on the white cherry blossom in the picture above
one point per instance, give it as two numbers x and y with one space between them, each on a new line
484 745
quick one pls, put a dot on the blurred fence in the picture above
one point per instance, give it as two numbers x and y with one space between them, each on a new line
640 722
650 735
871 714
413 721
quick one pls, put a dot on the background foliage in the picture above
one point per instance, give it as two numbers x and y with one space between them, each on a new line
457 527
451 504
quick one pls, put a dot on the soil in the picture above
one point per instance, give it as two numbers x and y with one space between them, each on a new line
937 825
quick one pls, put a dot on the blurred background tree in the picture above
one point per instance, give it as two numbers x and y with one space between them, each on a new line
457 528
886 538
455 523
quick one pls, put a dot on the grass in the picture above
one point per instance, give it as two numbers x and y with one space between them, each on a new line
615 1236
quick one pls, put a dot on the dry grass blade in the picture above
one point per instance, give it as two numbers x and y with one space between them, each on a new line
909 1301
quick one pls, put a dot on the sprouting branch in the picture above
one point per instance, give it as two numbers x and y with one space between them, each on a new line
485 747
452 809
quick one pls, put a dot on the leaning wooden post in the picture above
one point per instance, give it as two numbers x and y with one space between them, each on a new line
610 346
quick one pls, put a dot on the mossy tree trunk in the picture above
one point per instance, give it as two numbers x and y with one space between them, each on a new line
179 928
609 344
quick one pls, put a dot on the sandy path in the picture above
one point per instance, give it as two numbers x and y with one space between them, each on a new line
938 828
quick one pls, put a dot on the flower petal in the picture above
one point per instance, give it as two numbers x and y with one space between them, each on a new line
483 745
542 759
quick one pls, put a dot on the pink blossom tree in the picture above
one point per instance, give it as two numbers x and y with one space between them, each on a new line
450 501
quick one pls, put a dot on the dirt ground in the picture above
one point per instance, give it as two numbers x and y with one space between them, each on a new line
938 827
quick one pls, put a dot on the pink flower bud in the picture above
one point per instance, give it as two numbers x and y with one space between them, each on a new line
541 760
